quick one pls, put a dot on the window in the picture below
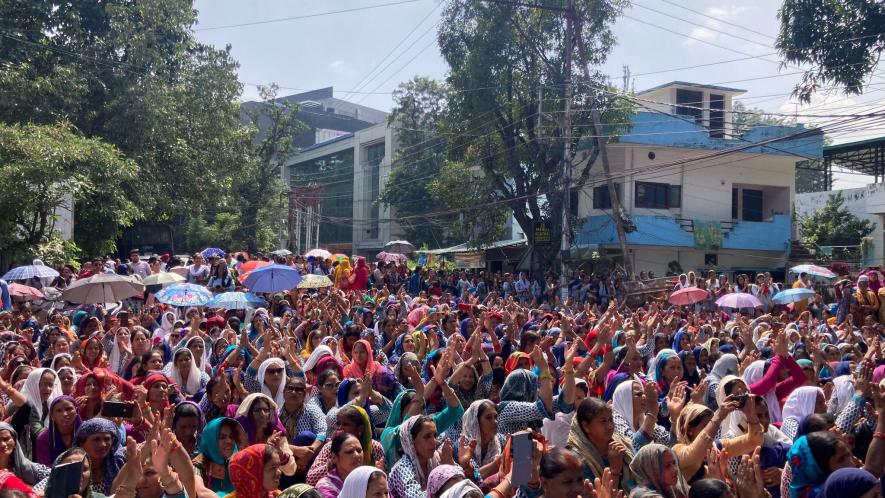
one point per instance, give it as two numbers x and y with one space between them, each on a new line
734 203
601 199
658 195
717 116
573 202
752 208
690 103
374 157
711 259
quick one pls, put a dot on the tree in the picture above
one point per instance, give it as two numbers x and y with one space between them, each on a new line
46 168
507 84
745 118
133 75
841 39
834 225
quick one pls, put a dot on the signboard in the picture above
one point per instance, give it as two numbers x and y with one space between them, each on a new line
707 235
422 260
542 234
475 259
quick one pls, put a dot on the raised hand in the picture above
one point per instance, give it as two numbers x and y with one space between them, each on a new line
699 392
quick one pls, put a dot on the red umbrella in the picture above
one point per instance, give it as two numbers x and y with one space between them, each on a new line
251 265
689 295
24 292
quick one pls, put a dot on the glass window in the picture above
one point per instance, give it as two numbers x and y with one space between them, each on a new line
658 195
374 157
601 199
333 173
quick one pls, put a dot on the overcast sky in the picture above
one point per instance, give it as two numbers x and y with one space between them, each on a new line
344 49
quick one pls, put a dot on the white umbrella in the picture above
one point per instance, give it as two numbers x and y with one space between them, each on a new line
102 288
319 253
399 247
163 278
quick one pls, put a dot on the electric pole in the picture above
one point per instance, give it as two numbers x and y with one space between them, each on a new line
569 46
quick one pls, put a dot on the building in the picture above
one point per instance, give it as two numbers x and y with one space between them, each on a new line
700 193
865 157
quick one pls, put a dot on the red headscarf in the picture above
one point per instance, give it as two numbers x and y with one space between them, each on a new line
158 377
513 360
101 362
354 371
247 473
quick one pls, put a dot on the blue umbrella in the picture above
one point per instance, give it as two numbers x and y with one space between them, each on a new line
236 301
184 295
272 278
792 295
30 271
211 252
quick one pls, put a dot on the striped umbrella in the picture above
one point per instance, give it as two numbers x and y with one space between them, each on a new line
817 271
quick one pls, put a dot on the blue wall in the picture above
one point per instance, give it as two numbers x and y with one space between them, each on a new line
652 128
665 231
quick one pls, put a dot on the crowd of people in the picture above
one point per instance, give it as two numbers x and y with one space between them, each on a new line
441 384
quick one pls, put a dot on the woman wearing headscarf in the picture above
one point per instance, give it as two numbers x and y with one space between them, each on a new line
408 477
667 369
183 371
41 388
346 455
409 403
342 274
258 416
634 412
221 439
812 459
801 403
362 361
267 376
656 470
479 426
101 440
764 378
447 481
119 347
167 323
74 455
851 482
355 421
91 355
187 424
255 471
320 360
727 364
91 387
13 459
58 436
297 416
593 438
522 403
365 482
690 372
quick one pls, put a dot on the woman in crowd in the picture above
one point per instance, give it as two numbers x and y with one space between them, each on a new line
346 455
100 438
220 440
58 436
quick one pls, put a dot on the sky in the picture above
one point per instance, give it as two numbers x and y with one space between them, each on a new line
370 46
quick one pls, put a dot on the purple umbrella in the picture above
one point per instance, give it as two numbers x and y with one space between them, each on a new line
738 300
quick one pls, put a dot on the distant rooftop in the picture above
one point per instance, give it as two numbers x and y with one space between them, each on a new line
693 85
323 101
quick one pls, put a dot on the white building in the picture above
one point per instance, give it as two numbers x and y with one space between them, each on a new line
722 209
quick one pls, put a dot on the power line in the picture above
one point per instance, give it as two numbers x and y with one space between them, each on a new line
666 14
719 19
306 16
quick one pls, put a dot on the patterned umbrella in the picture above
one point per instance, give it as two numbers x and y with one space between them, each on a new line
399 247
319 253
211 252
236 301
792 295
184 295
312 281
390 257
738 300
282 253
30 271
817 271
272 278
24 292
689 295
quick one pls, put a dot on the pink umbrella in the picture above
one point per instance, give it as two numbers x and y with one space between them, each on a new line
738 300
24 292
689 295
390 257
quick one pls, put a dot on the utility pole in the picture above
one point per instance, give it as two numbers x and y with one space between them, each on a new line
617 211
569 46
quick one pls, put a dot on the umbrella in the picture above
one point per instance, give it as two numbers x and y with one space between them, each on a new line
282 253
30 271
236 301
319 253
792 295
738 300
817 271
312 281
251 265
102 288
212 252
163 278
24 292
689 295
272 278
388 257
399 247
339 256
182 294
